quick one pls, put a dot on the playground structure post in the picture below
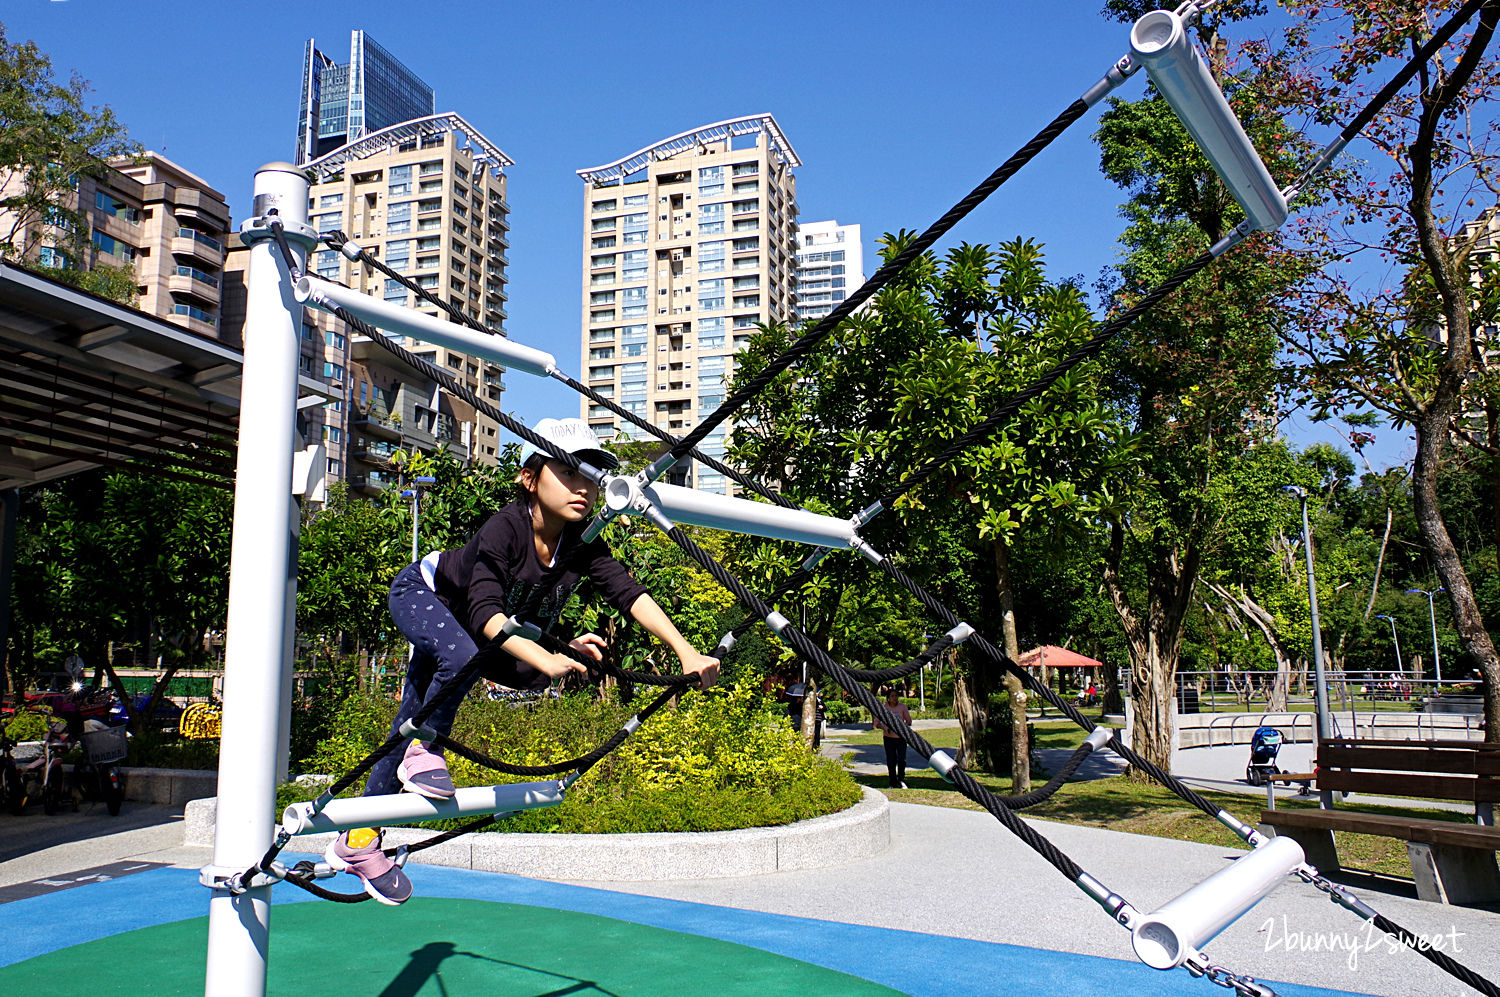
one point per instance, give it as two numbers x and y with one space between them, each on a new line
261 574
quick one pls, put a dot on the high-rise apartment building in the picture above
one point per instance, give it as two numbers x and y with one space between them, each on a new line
688 244
830 263
152 215
343 102
427 197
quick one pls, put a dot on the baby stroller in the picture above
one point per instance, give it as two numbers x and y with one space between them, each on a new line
1265 745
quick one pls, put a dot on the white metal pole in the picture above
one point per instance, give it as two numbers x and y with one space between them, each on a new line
239 923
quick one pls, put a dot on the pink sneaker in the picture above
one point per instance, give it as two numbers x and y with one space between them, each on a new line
425 773
358 852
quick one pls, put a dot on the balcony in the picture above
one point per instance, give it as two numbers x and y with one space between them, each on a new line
372 451
195 283
377 422
374 482
189 242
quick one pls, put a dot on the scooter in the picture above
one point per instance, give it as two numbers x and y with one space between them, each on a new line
98 775
43 775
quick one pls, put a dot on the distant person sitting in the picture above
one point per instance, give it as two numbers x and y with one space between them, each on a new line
895 748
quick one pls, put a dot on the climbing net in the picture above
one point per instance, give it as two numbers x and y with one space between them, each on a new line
636 495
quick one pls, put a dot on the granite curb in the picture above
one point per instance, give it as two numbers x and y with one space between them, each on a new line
860 832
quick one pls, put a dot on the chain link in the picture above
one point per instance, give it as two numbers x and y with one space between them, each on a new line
1246 986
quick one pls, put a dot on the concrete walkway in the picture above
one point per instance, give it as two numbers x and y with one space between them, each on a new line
947 872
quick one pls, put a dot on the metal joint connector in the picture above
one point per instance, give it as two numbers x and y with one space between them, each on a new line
526 631
260 227
423 733
1099 737
815 558
1102 895
943 763
866 514
777 623
867 552
401 855
352 250
961 633
727 641
632 725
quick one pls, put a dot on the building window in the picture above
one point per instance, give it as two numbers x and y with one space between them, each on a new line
112 246
711 257
114 208
327 264
710 335
710 181
304 364
602 353
395 292
603 242
635 265
600 207
332 371
333 434
335 339
329 200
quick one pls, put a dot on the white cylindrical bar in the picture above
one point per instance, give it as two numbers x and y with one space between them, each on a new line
1160 41
761 519
259 561
1184 924
407 808
428 328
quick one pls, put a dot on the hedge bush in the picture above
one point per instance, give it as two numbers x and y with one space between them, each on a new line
721 760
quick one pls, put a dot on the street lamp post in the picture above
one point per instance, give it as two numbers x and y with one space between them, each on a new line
1437 664
1320 680
1397 641
414 493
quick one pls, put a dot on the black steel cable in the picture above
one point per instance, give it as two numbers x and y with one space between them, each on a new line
582 763
338 240
883 276
1012 405
738 477
1020 801
811 652
913 666
1438 958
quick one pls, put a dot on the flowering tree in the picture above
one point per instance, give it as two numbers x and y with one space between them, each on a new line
1401 318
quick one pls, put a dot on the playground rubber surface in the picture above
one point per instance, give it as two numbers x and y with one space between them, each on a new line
469 932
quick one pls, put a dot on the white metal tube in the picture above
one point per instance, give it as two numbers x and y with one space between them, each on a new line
1167 936
239 924
761 519
1161 43
403 321
403 808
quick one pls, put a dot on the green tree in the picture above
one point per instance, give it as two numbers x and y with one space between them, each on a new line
898 384
1195 377
1414 350
49 137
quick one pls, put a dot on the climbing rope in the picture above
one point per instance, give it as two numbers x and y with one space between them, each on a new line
1002 808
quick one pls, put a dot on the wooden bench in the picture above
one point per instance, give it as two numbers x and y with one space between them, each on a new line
1451 862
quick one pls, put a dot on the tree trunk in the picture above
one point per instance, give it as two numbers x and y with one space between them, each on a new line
972 719
809 726
1155 639
1020 746
1467 619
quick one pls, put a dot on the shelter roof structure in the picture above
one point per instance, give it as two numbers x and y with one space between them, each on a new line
730 128
1056 657
88 382
405 133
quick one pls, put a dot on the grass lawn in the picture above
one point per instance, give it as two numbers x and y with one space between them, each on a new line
1122 805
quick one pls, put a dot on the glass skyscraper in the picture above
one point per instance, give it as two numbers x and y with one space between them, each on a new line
342 102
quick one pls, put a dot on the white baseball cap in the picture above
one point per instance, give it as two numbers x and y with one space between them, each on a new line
571 436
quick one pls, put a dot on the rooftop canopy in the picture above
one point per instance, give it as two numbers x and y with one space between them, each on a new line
753 124
406 132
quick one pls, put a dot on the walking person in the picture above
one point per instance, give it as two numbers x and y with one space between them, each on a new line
895 748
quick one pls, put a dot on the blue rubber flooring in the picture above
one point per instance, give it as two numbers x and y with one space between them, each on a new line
910 962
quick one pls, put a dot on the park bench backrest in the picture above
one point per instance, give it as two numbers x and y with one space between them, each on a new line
1438 770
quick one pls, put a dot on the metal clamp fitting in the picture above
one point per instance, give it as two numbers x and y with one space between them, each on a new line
943 763
777 623
259 228
515 628
961 633
423 733
1099 737
352 250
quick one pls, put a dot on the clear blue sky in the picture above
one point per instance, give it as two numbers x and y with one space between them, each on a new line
896 110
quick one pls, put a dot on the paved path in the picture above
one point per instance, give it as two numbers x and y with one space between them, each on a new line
948 872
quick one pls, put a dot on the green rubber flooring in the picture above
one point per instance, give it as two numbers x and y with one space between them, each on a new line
436 947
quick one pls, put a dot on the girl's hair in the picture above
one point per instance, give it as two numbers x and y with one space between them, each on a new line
534 465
